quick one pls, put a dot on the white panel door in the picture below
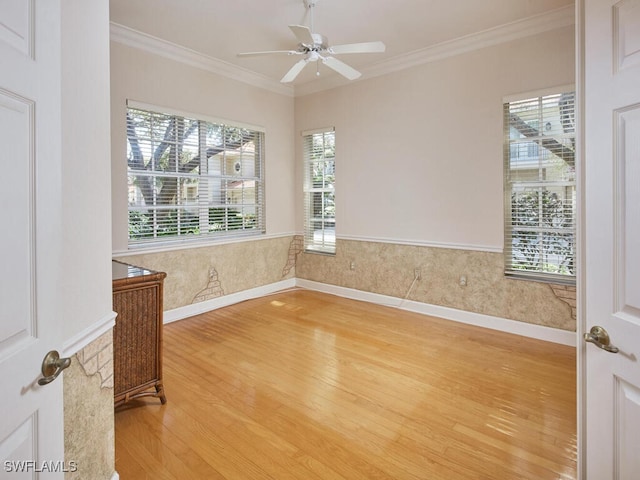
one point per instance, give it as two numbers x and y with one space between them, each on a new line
31 422
612 237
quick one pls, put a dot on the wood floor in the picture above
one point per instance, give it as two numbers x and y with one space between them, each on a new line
303 385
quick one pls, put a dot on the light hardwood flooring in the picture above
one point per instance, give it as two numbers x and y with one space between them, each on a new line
304 385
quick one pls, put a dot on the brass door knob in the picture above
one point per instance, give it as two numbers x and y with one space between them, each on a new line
52 366
600 338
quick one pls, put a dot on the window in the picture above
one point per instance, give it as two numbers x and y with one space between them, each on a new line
540 187
319 191
190 179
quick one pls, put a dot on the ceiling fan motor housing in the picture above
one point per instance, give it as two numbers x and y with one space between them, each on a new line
320 43
316 47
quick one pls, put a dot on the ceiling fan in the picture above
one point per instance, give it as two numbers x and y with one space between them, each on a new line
315 48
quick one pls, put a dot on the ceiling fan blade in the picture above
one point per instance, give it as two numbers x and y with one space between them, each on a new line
271 52
341 67
303 34
291 75
366 47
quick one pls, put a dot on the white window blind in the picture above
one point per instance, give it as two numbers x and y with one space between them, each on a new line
540 187
319 191
191 179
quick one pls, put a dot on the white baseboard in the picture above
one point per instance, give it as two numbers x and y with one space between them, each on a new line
115 476
539 332
88 335
226 300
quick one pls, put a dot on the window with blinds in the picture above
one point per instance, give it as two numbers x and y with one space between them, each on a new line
540 187
191 179
319 191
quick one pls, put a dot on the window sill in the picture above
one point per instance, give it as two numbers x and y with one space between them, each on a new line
314 251
202 243
541 278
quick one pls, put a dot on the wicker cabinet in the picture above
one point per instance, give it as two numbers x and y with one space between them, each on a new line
137 336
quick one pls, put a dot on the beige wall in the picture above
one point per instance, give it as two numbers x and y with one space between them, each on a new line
85 287
154 80
419 165
151 79
419 152
419 162
86 213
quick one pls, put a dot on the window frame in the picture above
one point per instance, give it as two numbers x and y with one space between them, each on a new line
319 240
544 156
248 221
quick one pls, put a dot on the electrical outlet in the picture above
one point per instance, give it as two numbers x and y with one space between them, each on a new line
463 280
417 273
352 265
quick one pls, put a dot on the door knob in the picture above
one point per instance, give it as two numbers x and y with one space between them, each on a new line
52 366
600 338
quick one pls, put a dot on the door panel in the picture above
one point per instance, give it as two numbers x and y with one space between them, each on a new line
612 236
16 25
17 291
31 424
19 447
626 36
627 408
627 127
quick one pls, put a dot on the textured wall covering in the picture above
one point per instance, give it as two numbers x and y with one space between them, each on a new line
199 274
88 411
239 266
388 269
295 249
97 357
212 290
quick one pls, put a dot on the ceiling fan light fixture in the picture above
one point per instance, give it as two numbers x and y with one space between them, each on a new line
316 47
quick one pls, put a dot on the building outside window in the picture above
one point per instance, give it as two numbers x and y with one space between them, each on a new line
192 179
540 186
319 191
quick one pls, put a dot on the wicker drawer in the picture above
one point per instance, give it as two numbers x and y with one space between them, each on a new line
137 336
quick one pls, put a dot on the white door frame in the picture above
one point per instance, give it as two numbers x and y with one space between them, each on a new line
581 260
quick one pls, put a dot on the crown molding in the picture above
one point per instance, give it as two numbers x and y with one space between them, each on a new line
534 25
148 43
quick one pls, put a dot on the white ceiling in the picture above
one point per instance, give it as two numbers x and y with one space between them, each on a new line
222 28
